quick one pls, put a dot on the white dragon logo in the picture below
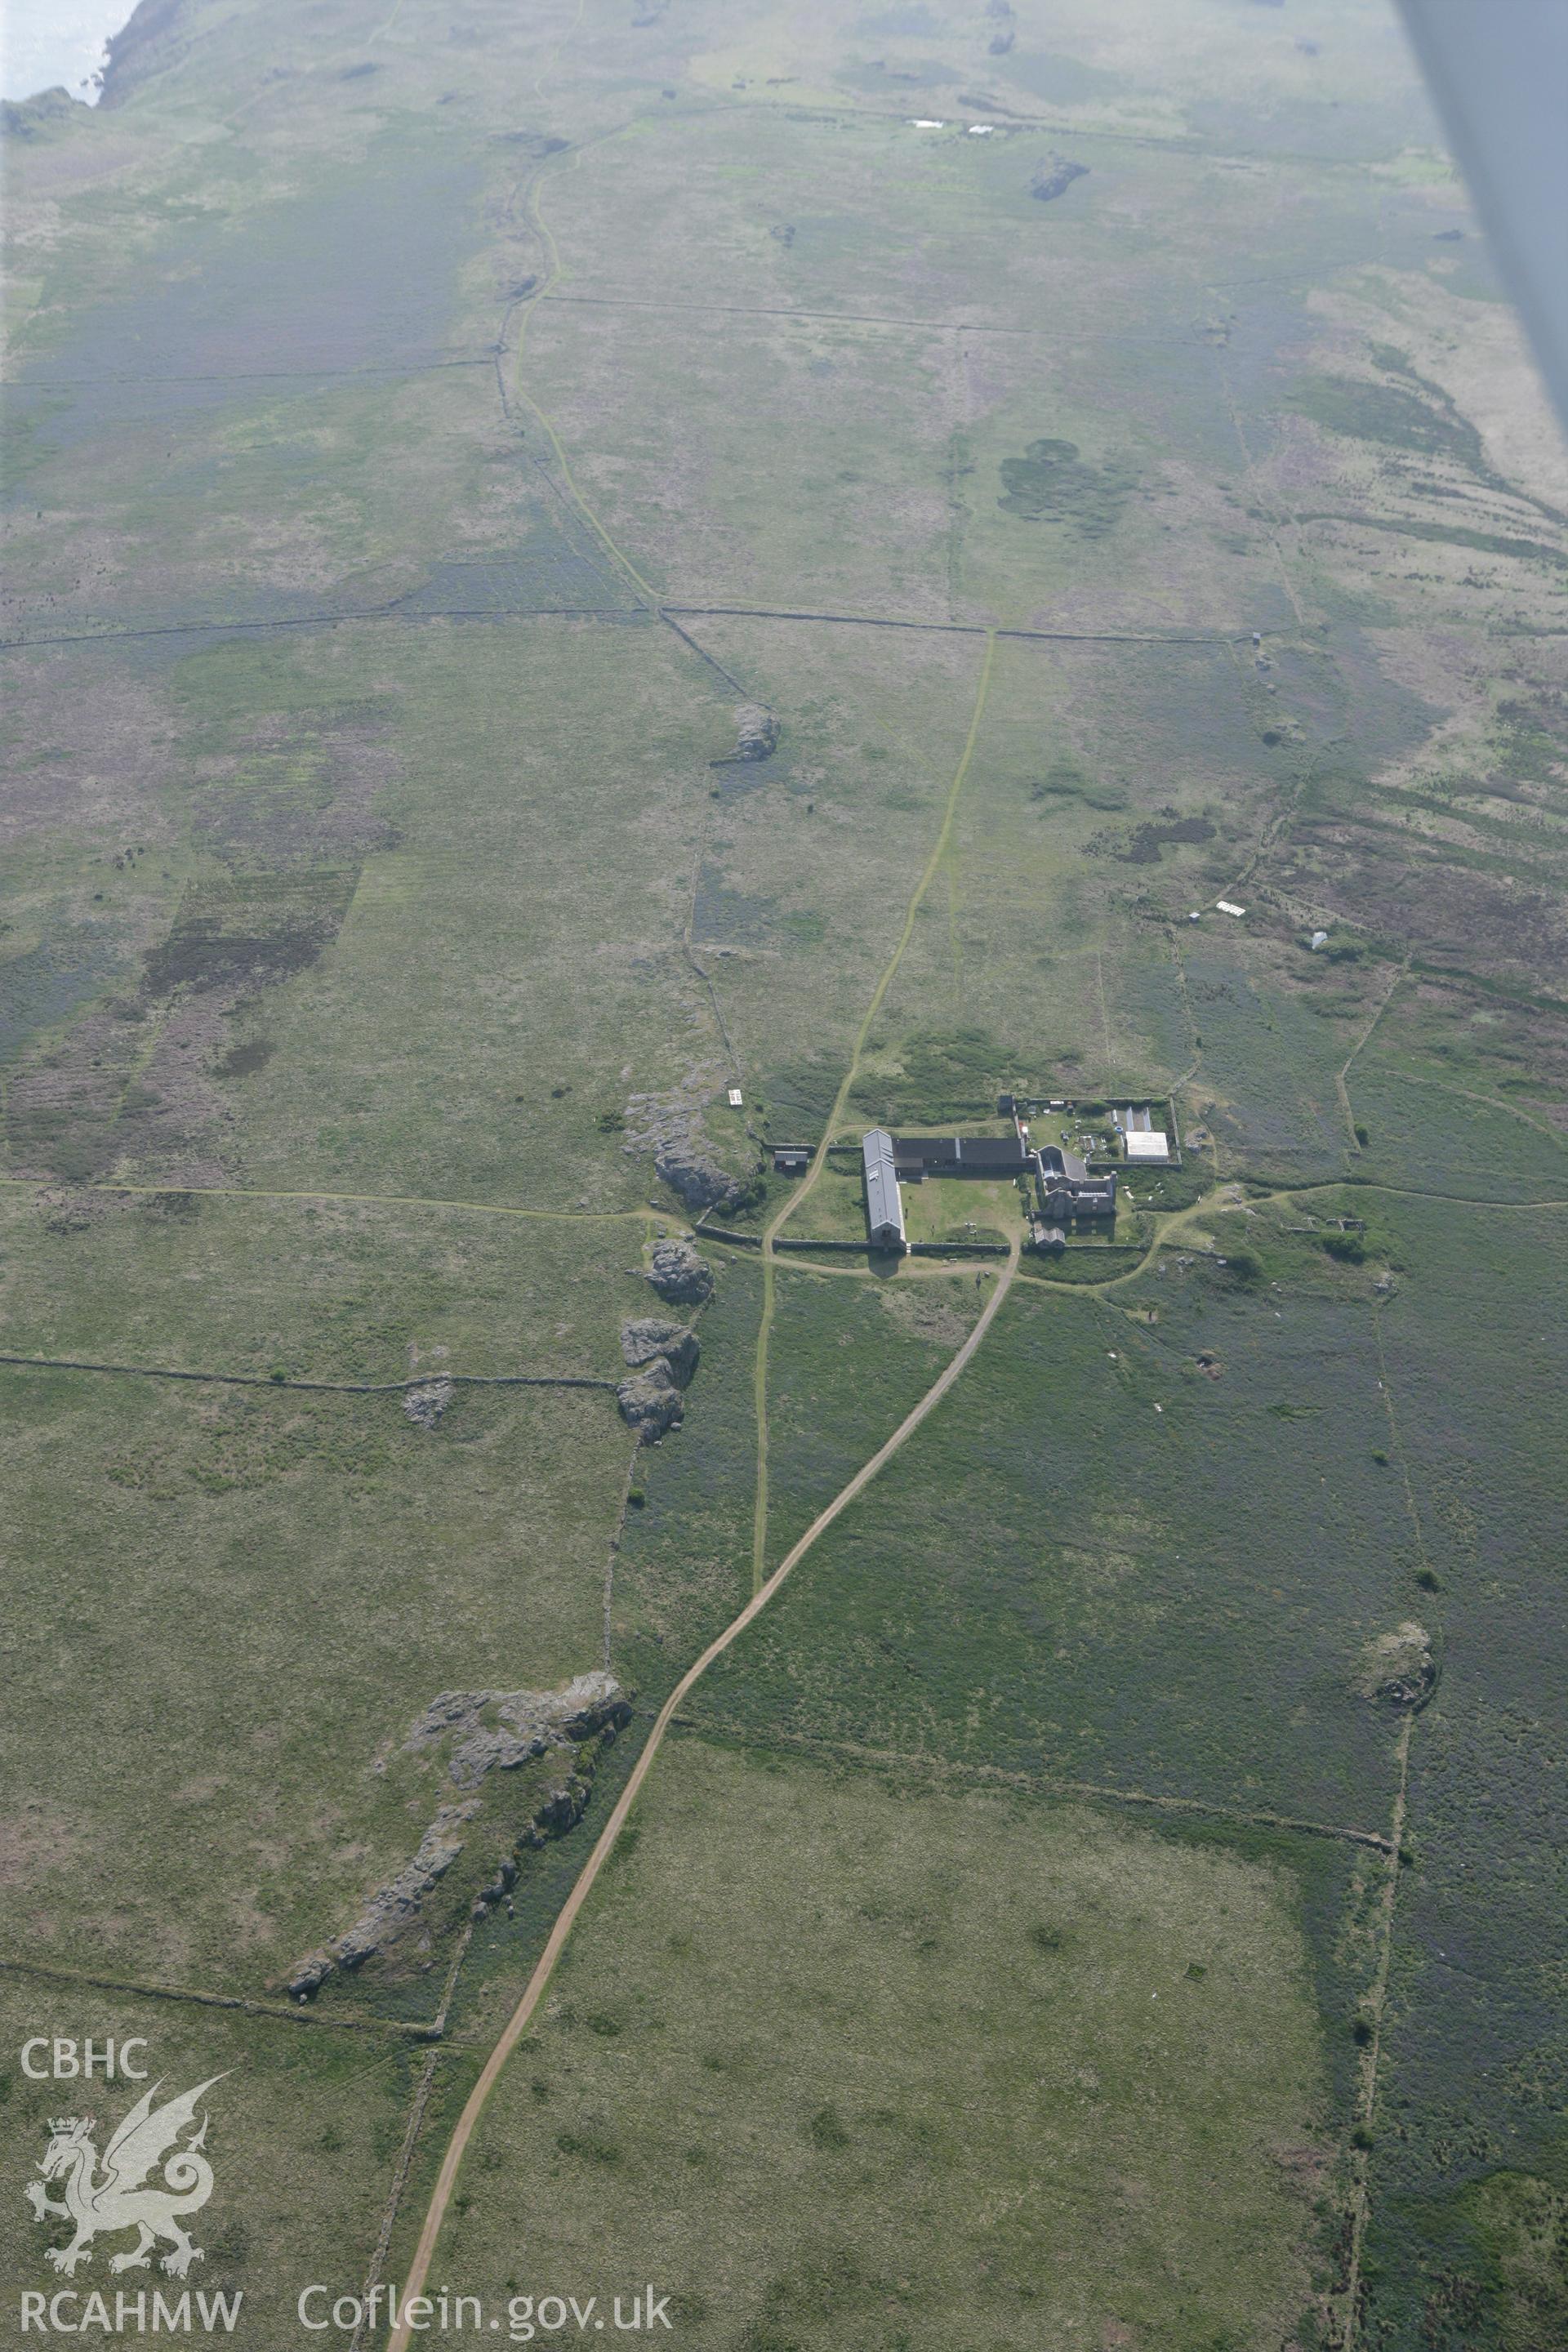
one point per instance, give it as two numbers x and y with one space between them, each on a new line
116 2199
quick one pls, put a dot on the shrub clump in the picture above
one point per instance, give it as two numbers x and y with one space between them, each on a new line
1053 482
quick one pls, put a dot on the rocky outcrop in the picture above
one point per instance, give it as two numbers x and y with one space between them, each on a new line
644 1339
1055 175
393 1908
1399 1668
1000 13
158 33
687 1165
426 1404
492 1751
670 1125
529 1723
650 1403
560 1809
665 1356
756 731
534 1720
30 118
679 1275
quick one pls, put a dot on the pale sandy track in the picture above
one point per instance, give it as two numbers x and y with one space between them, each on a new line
518 2023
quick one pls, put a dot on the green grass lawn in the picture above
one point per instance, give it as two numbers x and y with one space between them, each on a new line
366 834
947 1209
253 1594
1057 1576
303 2134
1047 2077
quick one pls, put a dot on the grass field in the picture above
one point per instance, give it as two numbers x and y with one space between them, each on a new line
1029 2049
1062 1579
431 426
344 1567
305 2130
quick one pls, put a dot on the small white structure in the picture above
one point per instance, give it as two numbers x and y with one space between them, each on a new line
1141 1137
735 1098
924 123
982 130
1319 939
1194 916
1229 907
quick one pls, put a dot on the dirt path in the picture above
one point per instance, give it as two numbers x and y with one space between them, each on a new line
819 1157
518 2023
1342 1072
523 311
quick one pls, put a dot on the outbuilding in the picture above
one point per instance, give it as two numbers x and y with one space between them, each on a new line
981 1156
884 1205
1141 1137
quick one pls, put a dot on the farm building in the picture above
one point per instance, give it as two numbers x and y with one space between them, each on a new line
792 1158
1141 1138
919 1156
884 1207
1064 1186
1066 1189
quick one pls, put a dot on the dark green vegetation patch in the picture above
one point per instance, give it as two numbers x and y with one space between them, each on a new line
1388 414
1052 482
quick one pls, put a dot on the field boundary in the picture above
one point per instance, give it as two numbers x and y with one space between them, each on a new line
390 2029
566 1917
1366 2102
401 2170
959 628
738 1735
112 636
328 1388
168 1191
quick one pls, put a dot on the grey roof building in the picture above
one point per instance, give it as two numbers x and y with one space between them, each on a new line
918 1156
1066 1189
884 1207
